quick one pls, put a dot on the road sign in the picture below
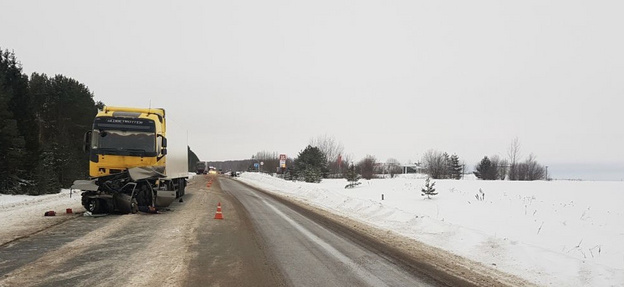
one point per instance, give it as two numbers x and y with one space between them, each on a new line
282 160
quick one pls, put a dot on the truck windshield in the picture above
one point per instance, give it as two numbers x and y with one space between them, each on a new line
124 142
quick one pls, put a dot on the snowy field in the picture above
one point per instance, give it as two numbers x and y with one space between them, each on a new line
557 233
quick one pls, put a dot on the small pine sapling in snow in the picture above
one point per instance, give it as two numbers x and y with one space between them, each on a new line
352 177
429 189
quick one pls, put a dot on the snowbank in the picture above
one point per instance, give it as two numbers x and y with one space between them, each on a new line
21 215
559 233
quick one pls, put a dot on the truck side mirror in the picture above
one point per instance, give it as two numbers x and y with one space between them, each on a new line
87 141
164 151
164 142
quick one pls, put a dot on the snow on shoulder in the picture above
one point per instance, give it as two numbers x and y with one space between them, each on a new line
21 215
558 233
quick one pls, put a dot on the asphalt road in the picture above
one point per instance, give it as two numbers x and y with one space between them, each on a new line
263 240
309 254
182 246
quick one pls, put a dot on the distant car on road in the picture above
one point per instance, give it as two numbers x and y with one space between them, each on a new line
212 170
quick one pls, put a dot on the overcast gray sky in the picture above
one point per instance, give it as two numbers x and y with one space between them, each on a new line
386 78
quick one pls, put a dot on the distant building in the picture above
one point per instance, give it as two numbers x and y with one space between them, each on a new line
413 168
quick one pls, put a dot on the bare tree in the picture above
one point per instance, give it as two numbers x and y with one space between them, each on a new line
522 171
503 168
393 167
345 161
530 169
513 153
367 166
527 170
435 164
332 150
500 167
535 171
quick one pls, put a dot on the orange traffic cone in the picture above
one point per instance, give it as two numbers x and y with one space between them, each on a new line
219 215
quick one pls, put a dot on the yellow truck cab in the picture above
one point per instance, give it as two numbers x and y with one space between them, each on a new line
124 138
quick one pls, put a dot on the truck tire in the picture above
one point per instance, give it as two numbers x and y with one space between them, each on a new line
95 206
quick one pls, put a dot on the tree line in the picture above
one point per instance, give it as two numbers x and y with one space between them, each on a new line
313 164
42 122
324 157
439 165
512 168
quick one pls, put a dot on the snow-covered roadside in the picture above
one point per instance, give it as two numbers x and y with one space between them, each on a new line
559 233
21 215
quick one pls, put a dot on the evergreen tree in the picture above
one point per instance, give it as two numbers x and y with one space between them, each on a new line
485 170
42 123
17 134
429 189
455 167
65 111
446 162
436 164
351 176
311 164
12 148
46 178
